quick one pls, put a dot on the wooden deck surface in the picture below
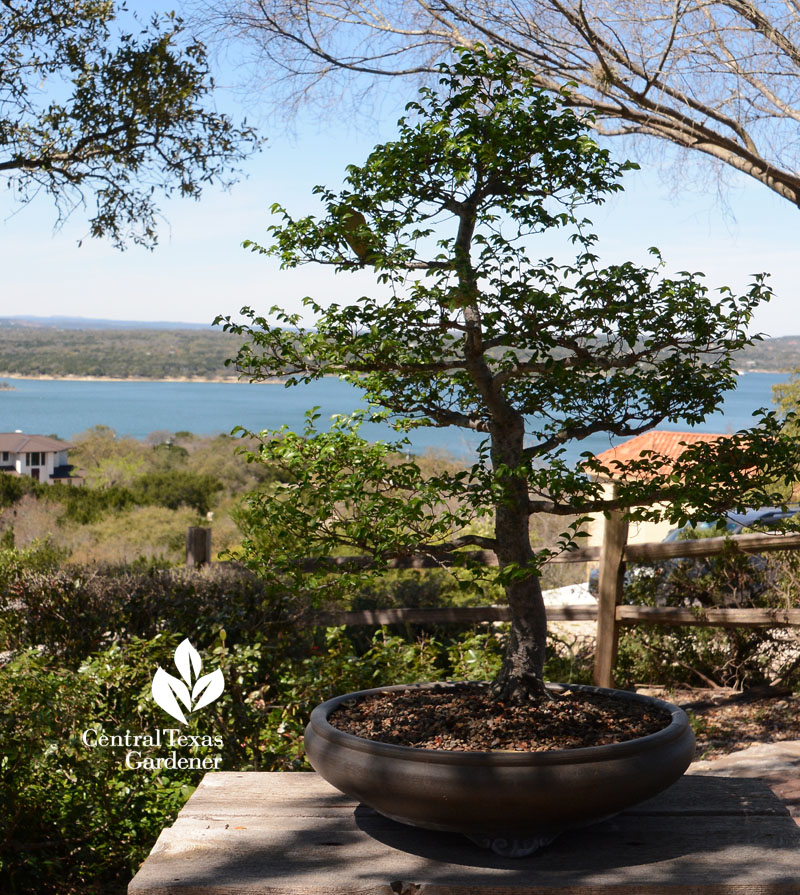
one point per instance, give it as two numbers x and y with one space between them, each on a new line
293 834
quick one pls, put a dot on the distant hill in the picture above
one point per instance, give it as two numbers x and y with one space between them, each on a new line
97 323
51 347
771 356
40 350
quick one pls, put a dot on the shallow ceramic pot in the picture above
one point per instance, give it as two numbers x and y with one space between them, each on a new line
513 802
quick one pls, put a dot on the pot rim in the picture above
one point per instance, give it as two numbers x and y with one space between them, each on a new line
608 752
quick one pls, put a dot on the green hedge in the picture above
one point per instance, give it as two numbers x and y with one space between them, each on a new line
83 645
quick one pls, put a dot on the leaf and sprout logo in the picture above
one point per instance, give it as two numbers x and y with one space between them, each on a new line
193 690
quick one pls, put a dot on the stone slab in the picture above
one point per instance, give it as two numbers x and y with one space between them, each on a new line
778 764
764 760
293 834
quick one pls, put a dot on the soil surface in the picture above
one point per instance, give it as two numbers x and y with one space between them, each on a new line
466 717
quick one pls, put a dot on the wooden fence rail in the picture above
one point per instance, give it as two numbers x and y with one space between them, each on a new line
462 615
707 618
650 552
624 615
609 613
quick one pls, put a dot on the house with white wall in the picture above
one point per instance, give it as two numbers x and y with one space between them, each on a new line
39 457
669 445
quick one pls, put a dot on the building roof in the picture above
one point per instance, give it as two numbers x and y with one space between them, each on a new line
19 442
668 444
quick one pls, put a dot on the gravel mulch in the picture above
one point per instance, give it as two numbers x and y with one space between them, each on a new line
466 717
727 721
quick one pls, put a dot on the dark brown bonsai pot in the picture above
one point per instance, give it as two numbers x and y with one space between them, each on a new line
512 802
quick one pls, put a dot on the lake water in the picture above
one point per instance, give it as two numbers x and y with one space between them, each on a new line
66 408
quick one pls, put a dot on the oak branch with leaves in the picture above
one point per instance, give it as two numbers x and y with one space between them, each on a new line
96 116
477 334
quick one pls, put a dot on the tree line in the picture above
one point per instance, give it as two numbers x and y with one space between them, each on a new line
116 354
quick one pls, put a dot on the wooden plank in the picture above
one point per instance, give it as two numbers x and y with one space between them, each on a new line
725 618
571 613
626 856
654 551
439 615
281 794
705 836
343 563
609 594
462 615
649 552
752 543
581 554
198 546
482 557
625 615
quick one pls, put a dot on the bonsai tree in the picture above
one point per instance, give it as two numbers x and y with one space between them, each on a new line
468 330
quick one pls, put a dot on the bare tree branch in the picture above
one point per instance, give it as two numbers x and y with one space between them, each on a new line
721 77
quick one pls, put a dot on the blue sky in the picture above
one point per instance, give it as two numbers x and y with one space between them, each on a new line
199 269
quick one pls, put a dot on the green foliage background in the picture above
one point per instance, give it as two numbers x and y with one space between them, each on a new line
715 657
137 499
83 648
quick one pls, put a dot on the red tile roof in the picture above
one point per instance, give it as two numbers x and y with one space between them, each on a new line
666 443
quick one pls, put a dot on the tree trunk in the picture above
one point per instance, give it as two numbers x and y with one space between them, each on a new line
521 678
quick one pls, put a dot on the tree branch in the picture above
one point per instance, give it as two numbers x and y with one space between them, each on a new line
657 68
579 432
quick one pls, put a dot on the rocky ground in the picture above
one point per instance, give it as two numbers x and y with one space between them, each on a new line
725 721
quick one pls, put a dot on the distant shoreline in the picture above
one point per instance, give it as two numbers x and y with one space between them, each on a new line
273 380
70 378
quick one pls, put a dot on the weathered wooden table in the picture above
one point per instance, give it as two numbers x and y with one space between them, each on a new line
293 834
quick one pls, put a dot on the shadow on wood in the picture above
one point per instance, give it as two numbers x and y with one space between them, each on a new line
293 834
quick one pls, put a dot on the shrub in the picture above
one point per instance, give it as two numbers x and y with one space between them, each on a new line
85 643
73 816
12 488
72 612
177 487
142 533
78 819
84 505
40 556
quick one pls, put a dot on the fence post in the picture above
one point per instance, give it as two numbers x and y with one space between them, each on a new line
198 546
609 595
